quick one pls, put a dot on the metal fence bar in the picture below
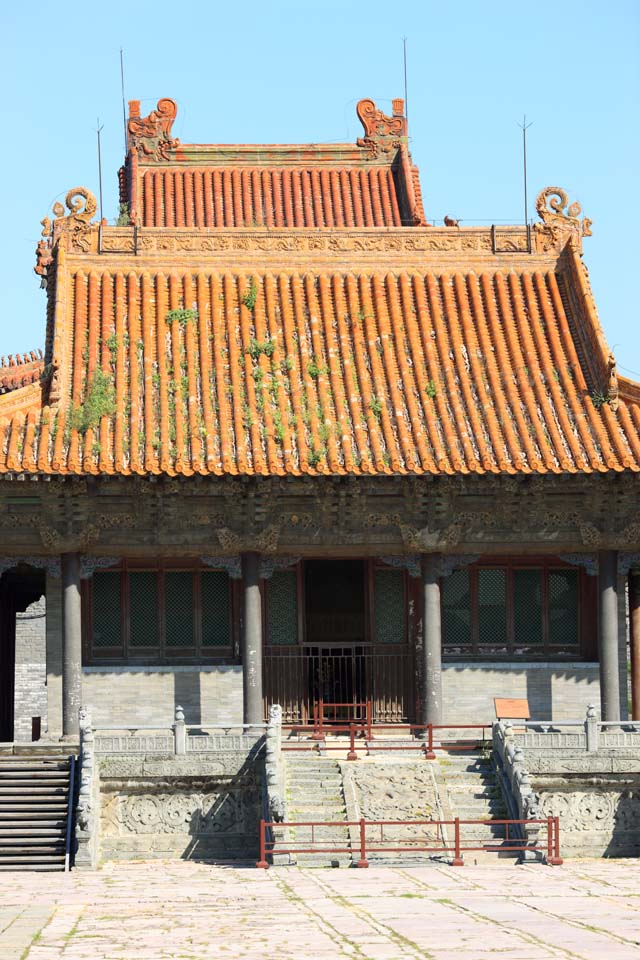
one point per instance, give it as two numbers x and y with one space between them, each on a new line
553 857
70 809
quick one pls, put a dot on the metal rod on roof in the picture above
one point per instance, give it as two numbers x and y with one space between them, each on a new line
406 95
124 109
524 126
99 165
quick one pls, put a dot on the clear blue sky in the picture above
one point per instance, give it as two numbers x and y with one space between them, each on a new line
291 71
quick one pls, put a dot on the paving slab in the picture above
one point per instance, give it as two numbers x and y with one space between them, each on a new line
184 910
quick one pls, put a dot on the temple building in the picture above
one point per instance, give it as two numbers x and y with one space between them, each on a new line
289 441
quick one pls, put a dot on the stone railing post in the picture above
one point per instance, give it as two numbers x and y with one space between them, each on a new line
88 806
273 764
180 733
591 729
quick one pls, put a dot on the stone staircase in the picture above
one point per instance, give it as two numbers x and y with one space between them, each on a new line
314 793
470 790
34 796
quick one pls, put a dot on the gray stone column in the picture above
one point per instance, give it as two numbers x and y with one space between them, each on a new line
71 646
634 624
251 638
608 634
431 687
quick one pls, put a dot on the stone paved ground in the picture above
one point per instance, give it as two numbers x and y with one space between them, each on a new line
165 910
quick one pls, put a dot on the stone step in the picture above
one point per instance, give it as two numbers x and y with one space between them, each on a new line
18 773
57 866
26 830
13 862
36 810
29 790
24 839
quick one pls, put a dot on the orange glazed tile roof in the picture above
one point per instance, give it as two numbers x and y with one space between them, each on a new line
20 370
325 372
372 184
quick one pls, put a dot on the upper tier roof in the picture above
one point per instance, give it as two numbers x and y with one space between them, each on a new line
372 183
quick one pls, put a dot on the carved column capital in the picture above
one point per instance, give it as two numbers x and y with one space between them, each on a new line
587 560
456 561
269 565
50 564
88 565
230 564
627 561
410 563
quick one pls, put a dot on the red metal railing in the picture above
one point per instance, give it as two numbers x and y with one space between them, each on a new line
368 845
362 716
319 730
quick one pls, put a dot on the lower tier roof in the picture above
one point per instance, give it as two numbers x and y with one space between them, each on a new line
288 373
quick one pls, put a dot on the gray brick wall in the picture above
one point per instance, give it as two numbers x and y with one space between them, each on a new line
554 691
137 695
30 675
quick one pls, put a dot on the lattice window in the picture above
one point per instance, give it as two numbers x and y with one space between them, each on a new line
143 609
456 609
389 606
528 607
107 615
179 611
563 607
492 606
282 608
216 615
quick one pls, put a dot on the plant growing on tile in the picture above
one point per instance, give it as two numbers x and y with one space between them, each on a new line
599 398
99 402
257 349
375 405
182 316
430 389
250 297
124 218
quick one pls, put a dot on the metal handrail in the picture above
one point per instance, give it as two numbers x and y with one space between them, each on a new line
514 844
70 808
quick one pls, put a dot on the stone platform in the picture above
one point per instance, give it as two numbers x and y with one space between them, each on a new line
164 910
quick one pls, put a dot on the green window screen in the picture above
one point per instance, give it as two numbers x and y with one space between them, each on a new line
456 608
563 607
178 610
216 625
143 610
389 606
527 607
107 625
492 607
282 608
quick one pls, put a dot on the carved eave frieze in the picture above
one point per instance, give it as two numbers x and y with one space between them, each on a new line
466 248
290 517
